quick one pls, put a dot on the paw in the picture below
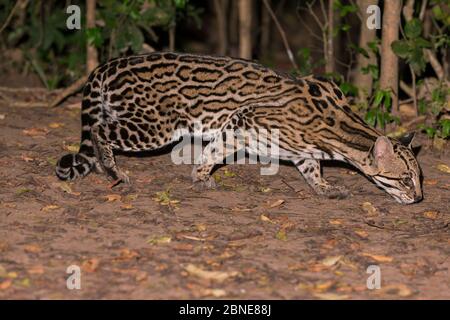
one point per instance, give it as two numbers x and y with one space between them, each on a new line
206 184
118 178
334 192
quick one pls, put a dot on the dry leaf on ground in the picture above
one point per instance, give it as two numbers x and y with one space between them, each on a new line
159 240
443 168
376 257
218 276
90 265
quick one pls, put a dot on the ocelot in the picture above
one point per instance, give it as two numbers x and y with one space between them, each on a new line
138 103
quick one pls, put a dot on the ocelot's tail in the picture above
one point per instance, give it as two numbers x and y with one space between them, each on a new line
73 166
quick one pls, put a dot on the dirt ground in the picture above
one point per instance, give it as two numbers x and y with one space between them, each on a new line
256 237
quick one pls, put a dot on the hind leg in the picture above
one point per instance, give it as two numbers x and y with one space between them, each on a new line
103 149
219 149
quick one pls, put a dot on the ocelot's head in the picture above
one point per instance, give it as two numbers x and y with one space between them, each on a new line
394 168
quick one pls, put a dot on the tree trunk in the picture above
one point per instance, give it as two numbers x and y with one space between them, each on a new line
265 32
245 31
365 81
172 31
389 61
91 51
220 7
329 55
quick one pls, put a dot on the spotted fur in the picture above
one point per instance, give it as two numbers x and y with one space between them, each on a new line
139 103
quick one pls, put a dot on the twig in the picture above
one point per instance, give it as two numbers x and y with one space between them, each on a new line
69 91
423 9
437 67
14 90
413 76
29 104
11 14
407 89
283 35
414 121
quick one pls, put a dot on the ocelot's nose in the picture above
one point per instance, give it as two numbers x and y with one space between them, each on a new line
417 198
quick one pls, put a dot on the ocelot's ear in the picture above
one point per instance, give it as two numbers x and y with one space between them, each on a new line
407 139
382 149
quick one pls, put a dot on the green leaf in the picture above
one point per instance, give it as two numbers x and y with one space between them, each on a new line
180 4
379 95
371 117
421 42
445 132
401 48
413 28
387 100
438 13
422 106
94 37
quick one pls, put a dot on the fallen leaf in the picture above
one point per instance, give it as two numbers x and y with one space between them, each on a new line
331 296
276 203
141 276
159 240
25 282
192 238
200 227
216 293
430 182
55 125
238 209
127 254
90 265
218 276
26 158
431 214
52 161
335 222
127 206
265 189
164 198
113 197
50 207
369 208
72 147
130 197
2 116
5 284
266 218
23 190
362 233
36 270
399 289
281 235
331 261
35 132
64 186
443 168
32 248
379 258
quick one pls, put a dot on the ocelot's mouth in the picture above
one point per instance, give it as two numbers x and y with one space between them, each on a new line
405 199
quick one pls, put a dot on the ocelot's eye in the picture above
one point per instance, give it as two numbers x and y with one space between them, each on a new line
408 182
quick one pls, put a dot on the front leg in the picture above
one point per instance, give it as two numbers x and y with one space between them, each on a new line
310 169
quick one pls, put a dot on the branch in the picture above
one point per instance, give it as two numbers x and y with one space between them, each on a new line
283 35
68 91
11 14
437 67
